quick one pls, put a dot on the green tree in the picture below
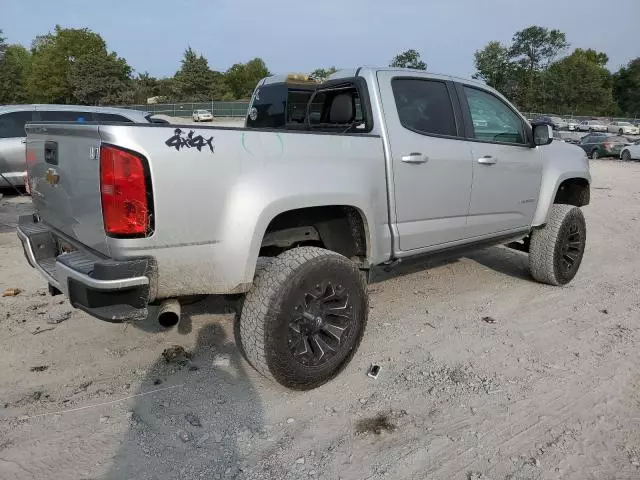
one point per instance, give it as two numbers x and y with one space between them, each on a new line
517 70
580 84
408 59
626 87
219 89
101 79
322 74
143 87
534 48
192 82
243 78
494 67
166 88
14 68
54 55
532 51
3 43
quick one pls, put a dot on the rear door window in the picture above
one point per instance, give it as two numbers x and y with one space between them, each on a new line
65 116
12 124
424 106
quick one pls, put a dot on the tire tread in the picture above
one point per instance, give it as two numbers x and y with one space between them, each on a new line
543 245
259 306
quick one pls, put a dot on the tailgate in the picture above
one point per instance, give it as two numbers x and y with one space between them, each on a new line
63 167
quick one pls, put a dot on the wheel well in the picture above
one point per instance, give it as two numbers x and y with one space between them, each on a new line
573 191
338 228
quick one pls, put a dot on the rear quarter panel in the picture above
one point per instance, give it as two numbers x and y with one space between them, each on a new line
212 208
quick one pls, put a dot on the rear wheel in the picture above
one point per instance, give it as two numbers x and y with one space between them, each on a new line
595 154
557 248
304 317
620 132
626 155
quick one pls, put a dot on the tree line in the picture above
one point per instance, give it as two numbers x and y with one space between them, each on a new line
534 71
72 65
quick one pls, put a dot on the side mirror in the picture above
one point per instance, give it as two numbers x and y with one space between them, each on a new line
542 134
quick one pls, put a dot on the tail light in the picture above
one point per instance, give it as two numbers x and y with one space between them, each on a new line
607 145
30 159
125 193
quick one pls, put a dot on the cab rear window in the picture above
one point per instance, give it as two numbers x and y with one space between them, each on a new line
278 105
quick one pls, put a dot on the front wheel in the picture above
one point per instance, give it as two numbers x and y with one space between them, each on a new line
620 132
626 155
304 317
557 248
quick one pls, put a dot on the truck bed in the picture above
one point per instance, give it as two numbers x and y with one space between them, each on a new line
214 191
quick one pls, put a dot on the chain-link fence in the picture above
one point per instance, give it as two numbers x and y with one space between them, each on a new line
218 109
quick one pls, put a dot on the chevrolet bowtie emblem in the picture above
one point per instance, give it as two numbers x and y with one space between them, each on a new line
52 176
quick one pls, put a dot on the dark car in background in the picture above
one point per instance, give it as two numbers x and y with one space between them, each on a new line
556 123
598 145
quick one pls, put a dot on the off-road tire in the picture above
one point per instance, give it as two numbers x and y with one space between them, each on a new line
262 328
549 244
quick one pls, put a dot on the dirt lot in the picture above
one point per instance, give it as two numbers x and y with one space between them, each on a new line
546 386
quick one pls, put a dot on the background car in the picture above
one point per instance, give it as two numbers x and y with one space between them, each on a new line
631 152
556 122
12 135
202 116
598 145
623 128
572 124
592 126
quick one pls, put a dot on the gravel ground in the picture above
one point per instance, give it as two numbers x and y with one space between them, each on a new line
485 375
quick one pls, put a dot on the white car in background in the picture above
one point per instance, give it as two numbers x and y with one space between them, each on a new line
202 116
593 126
623 128
631 152
572 124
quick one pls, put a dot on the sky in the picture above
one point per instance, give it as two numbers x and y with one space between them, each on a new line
302 35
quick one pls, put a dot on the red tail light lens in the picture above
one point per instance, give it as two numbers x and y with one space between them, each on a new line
608 146
123 189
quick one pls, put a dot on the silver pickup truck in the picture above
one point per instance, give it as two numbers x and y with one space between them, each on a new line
380 165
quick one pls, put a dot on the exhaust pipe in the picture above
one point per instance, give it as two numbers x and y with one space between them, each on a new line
169 313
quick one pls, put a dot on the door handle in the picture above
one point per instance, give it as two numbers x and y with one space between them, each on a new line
415 157
487 160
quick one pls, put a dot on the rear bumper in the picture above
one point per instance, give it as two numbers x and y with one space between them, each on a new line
110 290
